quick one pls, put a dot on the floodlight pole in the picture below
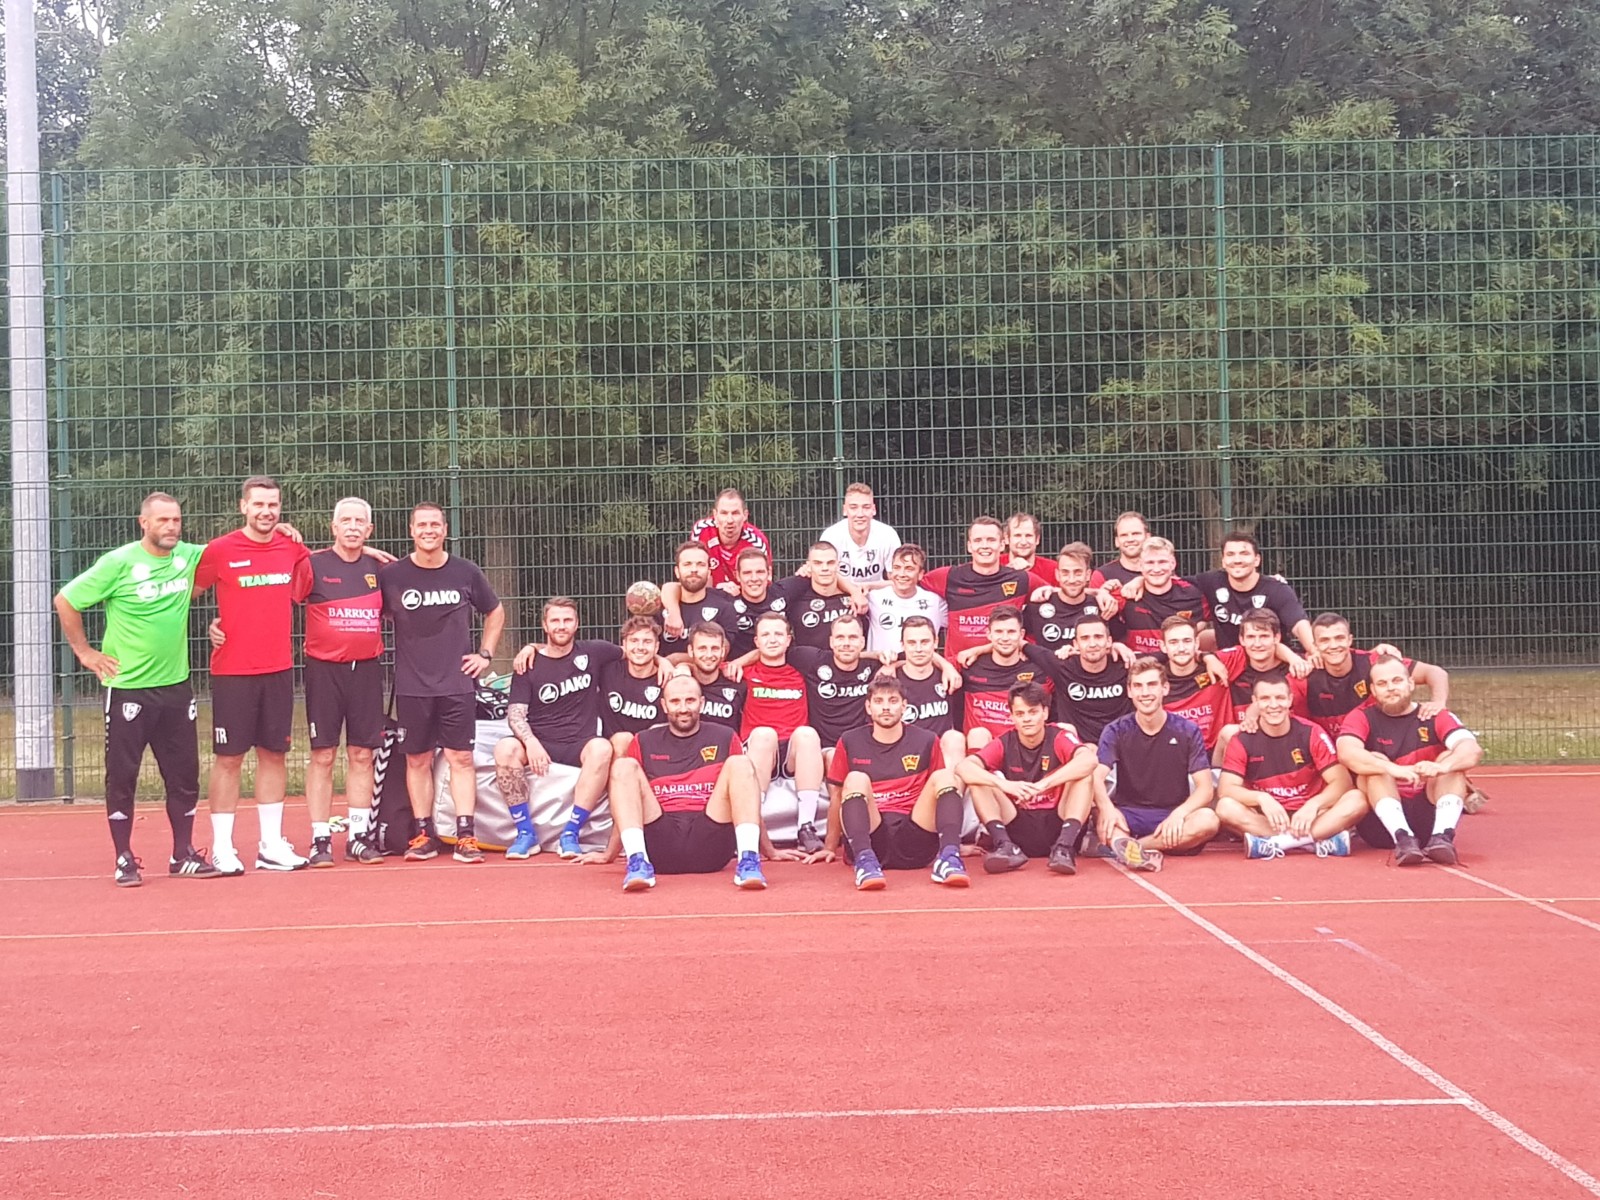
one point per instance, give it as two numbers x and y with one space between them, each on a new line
33 690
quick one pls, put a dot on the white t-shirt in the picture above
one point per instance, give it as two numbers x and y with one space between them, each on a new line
863 564
886 612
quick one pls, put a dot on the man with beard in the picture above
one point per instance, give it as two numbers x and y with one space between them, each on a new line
1343 682
988 675
691 598
721 698
1051 618
632 687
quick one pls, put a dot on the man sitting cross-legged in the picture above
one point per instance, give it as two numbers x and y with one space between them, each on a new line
891 798
1405 762
1283 787
1032 787
684 800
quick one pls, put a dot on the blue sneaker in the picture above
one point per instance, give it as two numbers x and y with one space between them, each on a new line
524 845
569 846
1338 846
747 872
949 870
869 875
641 874
1260 847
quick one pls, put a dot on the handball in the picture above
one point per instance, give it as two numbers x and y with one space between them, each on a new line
643 599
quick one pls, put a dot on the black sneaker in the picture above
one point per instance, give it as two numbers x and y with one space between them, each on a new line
808 839
1006 856
1406 851
358 849
321 853
193 865
1441 848
127 874
423 847
1061 860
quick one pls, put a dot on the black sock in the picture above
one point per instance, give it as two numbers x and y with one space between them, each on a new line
856 822
947 817
1071 831
421 827
998 833
180 815
120 817
466 827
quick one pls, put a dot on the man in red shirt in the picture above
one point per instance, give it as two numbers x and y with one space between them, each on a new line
1198 690
256 570
1404 763
1283 787
776 723
1342 683
1023 535
725 533
973 590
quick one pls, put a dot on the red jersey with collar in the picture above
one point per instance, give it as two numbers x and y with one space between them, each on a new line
255 584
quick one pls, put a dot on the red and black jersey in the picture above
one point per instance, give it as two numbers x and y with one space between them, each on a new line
1091 700
561 693
1138 625
1331 698
775 696
899 770
1007 757
971 597
629 703
1053 623
1204 699
927 702
1288 767
683 770
722 702
810 613
1113 572
255 584
837 696
723 558
344 608
1242 680
1406 739
986 683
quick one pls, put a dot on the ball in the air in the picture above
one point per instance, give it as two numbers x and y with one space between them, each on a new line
643 599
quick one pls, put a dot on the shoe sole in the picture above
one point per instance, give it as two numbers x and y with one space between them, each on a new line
955 881
467 858
375 860
638 885
1413 858
128 883
750 885
263 864
872 885
194 875
1064 868
510 857
1444 856
410 857
999 866
323 865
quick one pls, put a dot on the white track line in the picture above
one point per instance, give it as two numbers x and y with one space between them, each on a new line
1413 1064
733 1118
1541 905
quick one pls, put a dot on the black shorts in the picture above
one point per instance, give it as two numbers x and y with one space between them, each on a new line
568 754
1419 815
689 843
901 844
1035 830
437 722
252 710
344 696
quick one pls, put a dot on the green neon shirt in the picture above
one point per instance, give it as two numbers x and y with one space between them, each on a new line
147 611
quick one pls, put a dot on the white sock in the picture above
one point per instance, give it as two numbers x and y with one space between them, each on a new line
360 820
270 817
1291 841
321 829
747 838
1447 812
809 800
221 831
1393 815
633 843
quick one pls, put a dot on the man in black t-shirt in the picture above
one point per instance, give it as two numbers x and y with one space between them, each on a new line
692 599
429 597
836 684
721 698
1052 615
757 596
819 598
1240 587
1092 685
631 689
927 691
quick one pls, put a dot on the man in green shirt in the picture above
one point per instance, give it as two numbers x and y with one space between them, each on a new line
144 664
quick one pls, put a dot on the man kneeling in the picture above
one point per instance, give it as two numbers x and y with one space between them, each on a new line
684 799
892 798
1032 787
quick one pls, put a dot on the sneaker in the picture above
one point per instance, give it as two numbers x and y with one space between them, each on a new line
127 872
641 874
524 845
226 860
869 875
1131 854
1338 846
1441 848
193 864
321 853
467 849
808 839
423 847
747 872
569 847
278 856
1093 847
1406 851
1007 856
1256 846
1475 798
358 849
949 870
1061 860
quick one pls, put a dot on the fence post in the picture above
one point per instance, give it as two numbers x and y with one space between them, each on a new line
58 286
838 350
454 448
1224 398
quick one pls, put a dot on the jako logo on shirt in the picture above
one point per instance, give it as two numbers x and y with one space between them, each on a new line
411 598
1077 691
550 692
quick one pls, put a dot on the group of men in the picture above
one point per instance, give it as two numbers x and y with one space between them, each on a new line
1112 709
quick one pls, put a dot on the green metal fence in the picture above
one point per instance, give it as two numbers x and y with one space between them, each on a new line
1383 356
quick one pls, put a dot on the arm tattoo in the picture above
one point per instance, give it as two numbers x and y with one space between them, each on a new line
517 719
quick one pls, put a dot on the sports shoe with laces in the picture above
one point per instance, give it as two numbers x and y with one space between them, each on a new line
1406 851
747 872
1337 846
278 856
1006 856
226 860
423 847
524 845
127 872
467 850
321 853
193 864
358 849
1441 848
1061 859
640 876
807 839
569 847
1131 854
949 870
1256 846
869 875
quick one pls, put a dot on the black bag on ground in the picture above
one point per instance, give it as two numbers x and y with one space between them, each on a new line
392 812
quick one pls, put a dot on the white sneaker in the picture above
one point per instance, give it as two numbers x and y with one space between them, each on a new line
226 860
278 856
